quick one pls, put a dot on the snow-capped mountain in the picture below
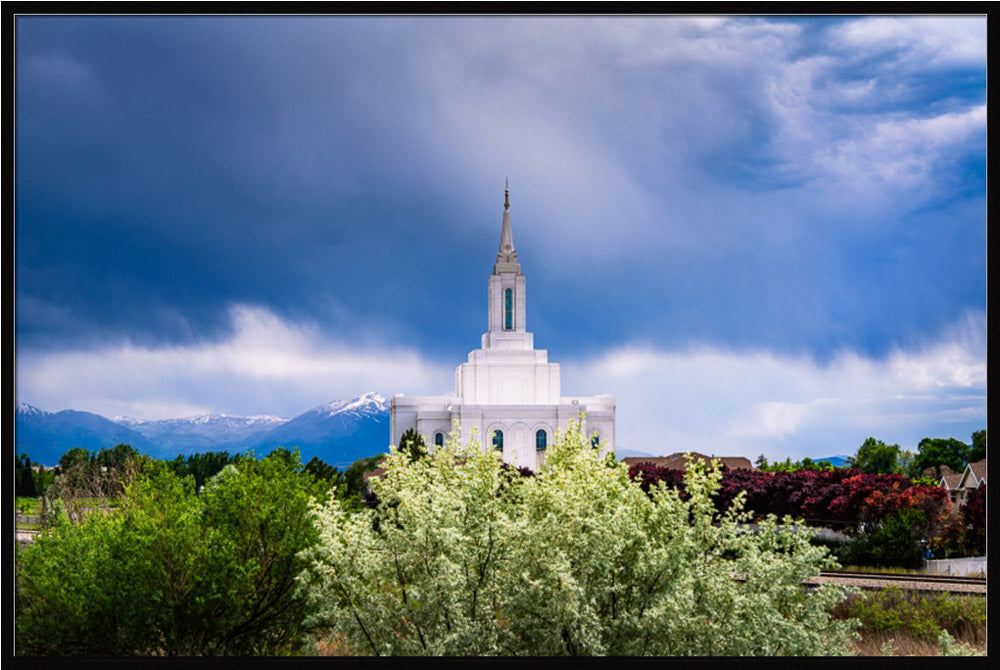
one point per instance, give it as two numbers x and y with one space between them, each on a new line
369 404
338 432
24 409
345 430
201 433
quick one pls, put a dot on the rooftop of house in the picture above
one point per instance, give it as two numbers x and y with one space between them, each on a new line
678 461
974 474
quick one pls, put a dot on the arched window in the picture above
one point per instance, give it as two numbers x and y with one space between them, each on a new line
595 440
498 440
541 440
508 309
439 440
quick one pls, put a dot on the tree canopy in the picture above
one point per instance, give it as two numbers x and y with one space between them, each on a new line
935 452
172 572
876 457
977 451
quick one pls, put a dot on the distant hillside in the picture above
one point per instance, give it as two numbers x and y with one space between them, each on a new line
836 461
45 436
629 453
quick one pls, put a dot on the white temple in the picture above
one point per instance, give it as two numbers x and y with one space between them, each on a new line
507 391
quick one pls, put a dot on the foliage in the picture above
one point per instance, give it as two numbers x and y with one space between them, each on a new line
908 466
974 520
171 572
893 541
875 506
950 537
788 465
203 465
322 470
31 506
463 557
920 615
412 443
77 456
977 450
352 487
91 480
935 452
838 498
876 457
24 479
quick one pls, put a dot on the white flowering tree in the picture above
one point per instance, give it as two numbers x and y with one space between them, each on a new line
465 556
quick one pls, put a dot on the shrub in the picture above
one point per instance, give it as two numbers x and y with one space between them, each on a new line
974 518
892 542
893 611
173 573
460 557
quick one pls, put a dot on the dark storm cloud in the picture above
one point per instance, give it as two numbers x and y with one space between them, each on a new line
173 167
177 166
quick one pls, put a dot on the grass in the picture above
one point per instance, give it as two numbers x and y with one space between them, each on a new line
33 507
881 644
904 623
28 505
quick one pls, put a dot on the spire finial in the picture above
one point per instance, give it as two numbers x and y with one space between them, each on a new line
506 193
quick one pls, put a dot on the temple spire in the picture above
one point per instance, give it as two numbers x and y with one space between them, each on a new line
507 255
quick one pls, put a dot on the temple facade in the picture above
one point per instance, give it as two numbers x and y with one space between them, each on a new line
507 391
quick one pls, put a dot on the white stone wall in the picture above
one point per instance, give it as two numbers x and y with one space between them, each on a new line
519 422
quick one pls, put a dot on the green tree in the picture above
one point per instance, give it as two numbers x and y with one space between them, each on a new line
935 452
876 457
206 464
977 452
908 464
352 486
117 458
43 480
24 478
178 466
174 573
322 470
74 458
894 541
412 443
461 558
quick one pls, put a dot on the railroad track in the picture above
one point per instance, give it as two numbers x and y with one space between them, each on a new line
877 580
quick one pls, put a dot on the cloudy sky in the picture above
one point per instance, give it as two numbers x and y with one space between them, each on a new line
763 235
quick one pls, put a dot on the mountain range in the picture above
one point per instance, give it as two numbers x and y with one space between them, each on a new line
338 432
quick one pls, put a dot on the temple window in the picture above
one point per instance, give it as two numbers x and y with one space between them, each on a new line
508 309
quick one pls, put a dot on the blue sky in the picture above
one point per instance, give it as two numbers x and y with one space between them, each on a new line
763 235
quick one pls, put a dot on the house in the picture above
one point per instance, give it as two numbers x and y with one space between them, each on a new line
950 482
973 477
960 485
